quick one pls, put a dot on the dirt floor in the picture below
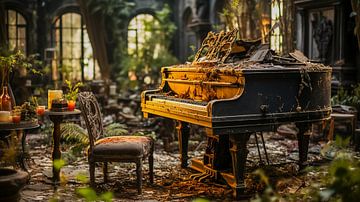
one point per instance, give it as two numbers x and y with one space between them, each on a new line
171 182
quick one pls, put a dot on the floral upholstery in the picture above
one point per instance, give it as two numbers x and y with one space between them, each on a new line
123 147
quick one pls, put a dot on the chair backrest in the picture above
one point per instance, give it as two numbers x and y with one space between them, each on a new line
91 112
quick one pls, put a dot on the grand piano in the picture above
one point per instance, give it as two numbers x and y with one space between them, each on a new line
234 89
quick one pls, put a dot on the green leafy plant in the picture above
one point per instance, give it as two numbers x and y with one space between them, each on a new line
73 90
16 60
72 133
115 129
347 97
28 111
77 136
88 193
154 52
341 182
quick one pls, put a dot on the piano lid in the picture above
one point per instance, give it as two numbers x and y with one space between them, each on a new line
218 69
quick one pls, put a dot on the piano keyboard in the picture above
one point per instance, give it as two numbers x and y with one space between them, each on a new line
188 101
181 103
177 108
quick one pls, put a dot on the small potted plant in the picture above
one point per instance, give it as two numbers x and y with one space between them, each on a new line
72 93
28 111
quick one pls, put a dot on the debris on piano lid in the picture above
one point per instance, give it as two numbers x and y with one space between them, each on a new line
223 50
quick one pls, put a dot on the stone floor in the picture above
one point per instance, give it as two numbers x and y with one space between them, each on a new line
171 182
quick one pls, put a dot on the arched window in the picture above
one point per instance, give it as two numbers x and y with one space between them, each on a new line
16 30
139 32
74 51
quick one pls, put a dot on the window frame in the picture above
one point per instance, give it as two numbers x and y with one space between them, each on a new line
60 59
136 30
17 28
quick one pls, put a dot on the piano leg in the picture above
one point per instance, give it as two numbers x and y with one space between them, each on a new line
239 154
183 130
303 144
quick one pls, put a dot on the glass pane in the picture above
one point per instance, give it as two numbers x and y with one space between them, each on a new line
12 17
21 32
22 45
76 69
66 20
76 20
12 44
21 20
66 35
88 68
76 50
66 50
12 32
76 35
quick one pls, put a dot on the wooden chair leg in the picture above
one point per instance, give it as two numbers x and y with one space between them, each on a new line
139 175
92 173
105 171
151 168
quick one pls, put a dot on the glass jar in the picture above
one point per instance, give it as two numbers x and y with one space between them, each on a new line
5 100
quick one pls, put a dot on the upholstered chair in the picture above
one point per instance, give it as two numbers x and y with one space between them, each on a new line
133 149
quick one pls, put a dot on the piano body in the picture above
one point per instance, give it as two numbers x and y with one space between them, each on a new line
234 100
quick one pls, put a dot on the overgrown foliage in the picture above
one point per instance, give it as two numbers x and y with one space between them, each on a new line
154 52
339 181
11 60
342 181
347 97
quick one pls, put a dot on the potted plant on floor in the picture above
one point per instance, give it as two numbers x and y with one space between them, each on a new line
11 180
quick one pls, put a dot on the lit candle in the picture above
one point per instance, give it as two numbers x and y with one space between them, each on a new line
40 110
71 105
16 118
5 116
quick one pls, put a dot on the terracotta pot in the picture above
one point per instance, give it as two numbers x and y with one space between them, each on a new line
11 182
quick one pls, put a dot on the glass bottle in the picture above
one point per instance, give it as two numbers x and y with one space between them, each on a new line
5 100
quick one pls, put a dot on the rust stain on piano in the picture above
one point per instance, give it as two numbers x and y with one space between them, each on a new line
235 88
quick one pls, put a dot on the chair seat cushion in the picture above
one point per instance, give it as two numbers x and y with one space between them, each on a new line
123 147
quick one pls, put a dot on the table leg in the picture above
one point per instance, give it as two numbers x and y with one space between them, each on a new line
23 144
56 155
